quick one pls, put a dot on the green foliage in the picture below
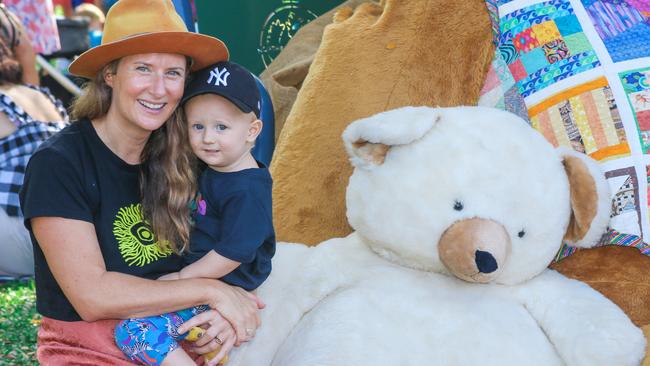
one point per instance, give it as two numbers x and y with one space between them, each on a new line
18 323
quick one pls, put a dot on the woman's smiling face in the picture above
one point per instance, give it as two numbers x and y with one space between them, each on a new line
147 88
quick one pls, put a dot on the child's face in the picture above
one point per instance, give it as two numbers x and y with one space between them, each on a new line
221 135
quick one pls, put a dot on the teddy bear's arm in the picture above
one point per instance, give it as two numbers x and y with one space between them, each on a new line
584 327
301 278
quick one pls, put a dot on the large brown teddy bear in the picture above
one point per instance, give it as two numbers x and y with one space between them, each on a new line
284 76
379 57
371 59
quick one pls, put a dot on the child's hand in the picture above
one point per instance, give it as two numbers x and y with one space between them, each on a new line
170 277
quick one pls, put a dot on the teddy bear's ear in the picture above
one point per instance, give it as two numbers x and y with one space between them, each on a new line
590 199
368 140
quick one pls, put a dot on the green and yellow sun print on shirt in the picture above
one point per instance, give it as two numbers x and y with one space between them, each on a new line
137 244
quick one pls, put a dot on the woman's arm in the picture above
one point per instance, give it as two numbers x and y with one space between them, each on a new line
74 257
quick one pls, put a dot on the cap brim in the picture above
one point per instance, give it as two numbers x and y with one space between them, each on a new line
203 50
241 105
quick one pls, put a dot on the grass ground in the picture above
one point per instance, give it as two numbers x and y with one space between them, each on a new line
18 323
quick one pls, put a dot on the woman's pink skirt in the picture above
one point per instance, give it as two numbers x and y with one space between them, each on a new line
81 343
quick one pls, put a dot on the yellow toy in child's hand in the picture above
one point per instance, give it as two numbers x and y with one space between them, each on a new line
194 334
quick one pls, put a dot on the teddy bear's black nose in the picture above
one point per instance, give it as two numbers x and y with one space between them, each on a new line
485 262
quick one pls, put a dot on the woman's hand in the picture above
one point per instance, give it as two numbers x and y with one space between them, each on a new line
218 334
240 308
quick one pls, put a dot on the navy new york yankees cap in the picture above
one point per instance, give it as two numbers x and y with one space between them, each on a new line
228 80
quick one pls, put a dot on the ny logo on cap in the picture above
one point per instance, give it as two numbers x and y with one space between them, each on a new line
220 76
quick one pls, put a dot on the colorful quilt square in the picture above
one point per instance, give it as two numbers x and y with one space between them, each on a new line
534 60
520 26
493 10
525 41
636 84
555 51
577 43
642 5
640 101
560 70
491 80
508 52
643 119
568 25
636 80
554 9
546 32
623 27
626 213
503 72
551 49
499 89
585 118
517 70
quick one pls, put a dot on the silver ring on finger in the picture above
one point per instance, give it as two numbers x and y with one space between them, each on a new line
218 340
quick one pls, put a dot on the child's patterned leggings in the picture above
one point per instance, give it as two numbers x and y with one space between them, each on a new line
147 341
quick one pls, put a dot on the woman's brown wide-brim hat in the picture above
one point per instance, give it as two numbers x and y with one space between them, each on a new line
147 26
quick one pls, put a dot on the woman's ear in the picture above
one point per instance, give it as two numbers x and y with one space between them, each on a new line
108 78
254 130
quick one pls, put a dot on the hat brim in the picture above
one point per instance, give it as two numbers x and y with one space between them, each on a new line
203 50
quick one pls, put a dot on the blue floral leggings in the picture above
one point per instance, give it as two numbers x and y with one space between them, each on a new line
147 341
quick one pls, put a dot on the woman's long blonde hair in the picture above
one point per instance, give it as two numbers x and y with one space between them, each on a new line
167 173
168 183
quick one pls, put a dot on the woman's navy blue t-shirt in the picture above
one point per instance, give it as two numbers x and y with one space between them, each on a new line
75 176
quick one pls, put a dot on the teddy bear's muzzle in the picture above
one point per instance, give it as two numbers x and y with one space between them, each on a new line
474 249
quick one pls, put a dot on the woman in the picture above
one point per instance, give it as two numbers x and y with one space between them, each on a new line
95 255
29 116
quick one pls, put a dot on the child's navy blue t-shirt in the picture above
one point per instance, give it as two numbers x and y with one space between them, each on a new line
233 217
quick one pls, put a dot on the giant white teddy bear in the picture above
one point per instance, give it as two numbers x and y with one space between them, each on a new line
457 212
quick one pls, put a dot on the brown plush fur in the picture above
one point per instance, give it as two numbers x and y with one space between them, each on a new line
621 274
584 198
416 52
284 76
458 245
372 153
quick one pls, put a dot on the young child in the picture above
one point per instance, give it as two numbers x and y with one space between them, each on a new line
233 237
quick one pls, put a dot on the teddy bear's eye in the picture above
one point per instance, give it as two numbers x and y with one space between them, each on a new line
458 206
521 233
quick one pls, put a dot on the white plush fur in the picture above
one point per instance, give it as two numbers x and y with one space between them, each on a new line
381 129
381 296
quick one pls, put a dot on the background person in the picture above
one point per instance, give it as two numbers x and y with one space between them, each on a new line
37 17
17 40
29 115
96 19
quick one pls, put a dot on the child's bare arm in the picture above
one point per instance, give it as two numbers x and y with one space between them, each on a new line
211 265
